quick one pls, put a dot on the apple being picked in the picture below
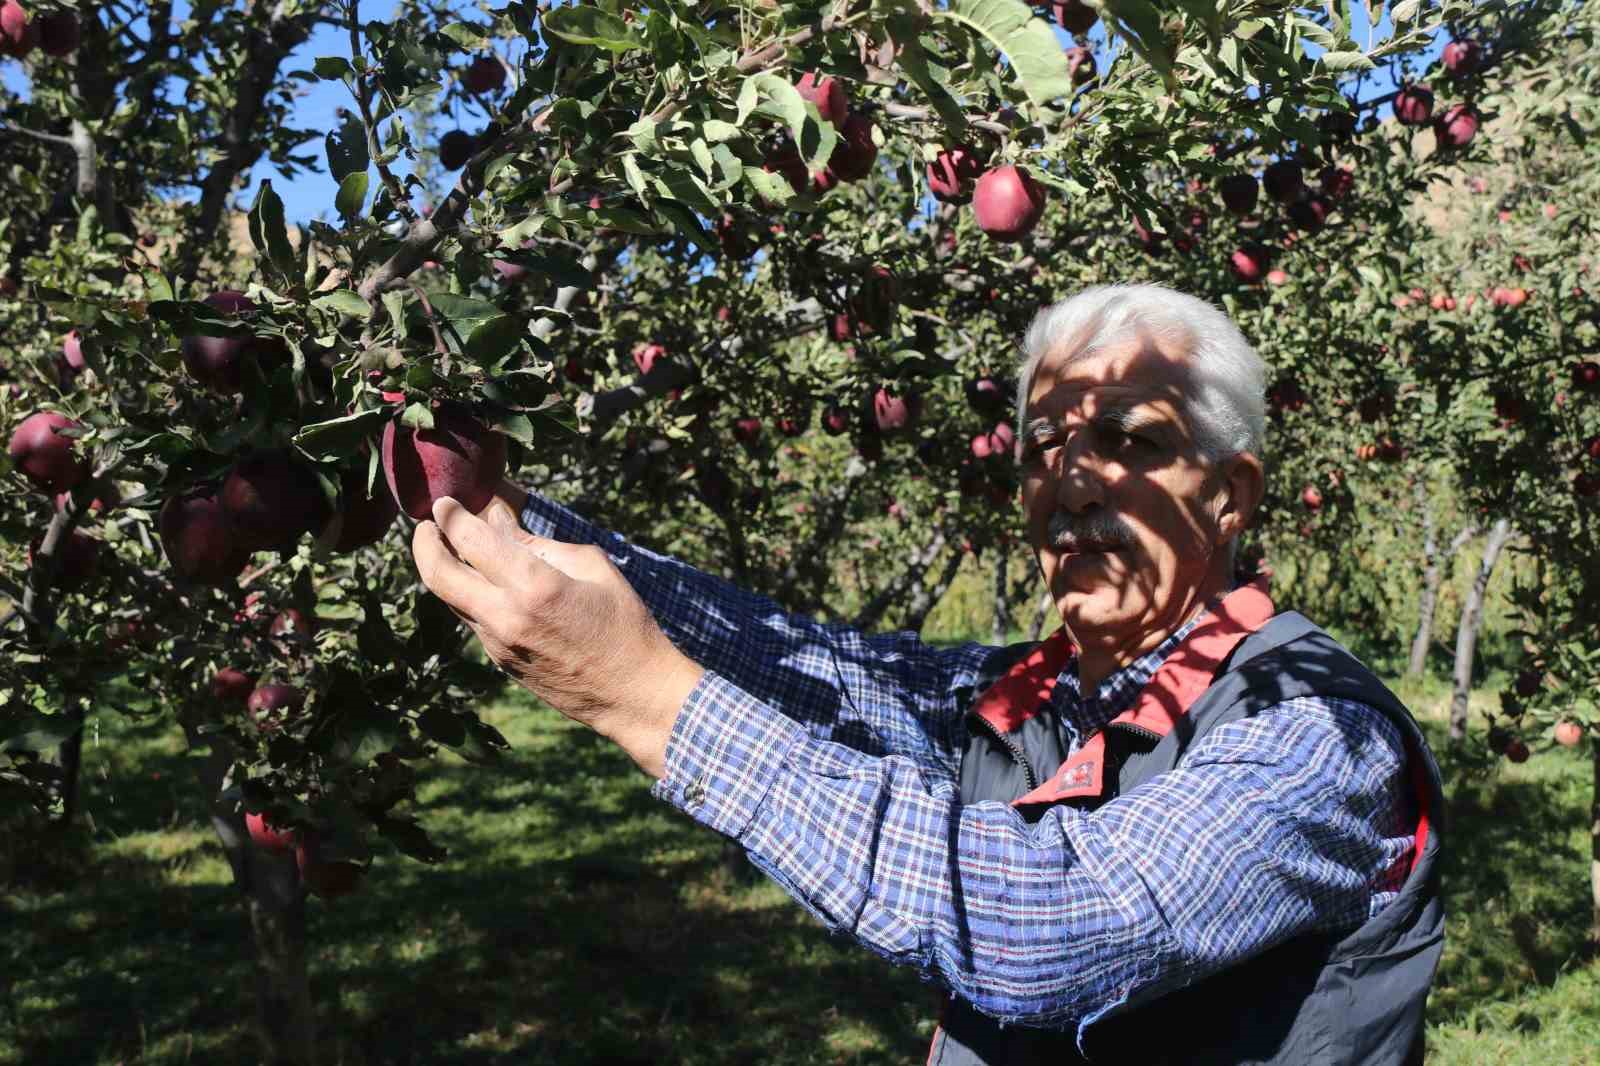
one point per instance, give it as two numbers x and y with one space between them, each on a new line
458 457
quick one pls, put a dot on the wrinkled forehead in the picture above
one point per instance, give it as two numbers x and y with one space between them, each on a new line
1142 369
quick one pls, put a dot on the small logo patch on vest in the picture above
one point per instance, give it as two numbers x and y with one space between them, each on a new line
1079 776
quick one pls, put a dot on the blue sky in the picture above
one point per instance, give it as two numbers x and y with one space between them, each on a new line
310 194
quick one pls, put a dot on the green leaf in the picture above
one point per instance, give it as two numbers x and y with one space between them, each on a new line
339 436
914 61
410 839
417 416
1029 43
590 25
332 68
343 301
347 150
1345 61
494 339
352 195
438 629
268 231
442 725
483 744
36 732
463 313
513 424
466 35
684 221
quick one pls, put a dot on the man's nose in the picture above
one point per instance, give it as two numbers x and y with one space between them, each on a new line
1081 482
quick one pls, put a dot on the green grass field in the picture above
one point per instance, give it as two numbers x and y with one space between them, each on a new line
579 921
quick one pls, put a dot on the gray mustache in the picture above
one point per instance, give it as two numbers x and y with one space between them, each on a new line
1067 532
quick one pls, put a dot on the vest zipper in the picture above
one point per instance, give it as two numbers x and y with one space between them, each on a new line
1015 750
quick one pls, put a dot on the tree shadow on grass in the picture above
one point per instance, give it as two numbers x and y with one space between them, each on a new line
1514 880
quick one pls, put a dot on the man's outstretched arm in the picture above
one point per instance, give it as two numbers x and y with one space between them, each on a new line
884 693
1048 924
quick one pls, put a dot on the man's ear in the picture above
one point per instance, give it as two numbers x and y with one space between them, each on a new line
1243 481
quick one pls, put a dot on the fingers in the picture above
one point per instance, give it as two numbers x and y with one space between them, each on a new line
483 546
466 591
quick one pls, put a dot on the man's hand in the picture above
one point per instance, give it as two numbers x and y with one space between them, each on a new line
563 621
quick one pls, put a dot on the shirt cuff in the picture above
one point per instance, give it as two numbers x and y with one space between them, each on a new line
725 750
544 517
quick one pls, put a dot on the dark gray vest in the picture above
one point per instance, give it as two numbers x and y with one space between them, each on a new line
1351 998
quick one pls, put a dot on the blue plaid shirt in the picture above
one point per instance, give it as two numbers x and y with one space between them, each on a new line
833 758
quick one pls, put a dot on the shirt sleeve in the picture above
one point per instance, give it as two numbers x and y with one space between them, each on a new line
889 693
1273 826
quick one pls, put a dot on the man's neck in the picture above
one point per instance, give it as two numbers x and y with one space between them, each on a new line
1098 662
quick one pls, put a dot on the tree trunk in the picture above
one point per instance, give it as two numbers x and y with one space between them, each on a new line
1594 845
71 759
1002 596
1042 615
1432 576
925 598
1467 633
275 903
899 587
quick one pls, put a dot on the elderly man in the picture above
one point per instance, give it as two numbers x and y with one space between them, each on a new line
1185 828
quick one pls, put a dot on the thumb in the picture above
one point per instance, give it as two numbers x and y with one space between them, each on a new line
499 514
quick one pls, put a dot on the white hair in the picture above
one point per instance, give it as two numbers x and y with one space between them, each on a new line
1226 388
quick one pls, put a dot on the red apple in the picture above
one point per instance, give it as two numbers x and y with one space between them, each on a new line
827 93
1249 264
785 159
43 455
458 457
747 431
1311 497
1311 213
362 519
1283 180
1336 182
292 624
200 541
1239 193
272 705
272 498
485 74
855 154
646 355
324 873
456 148
266 835
218 362
1075 16
1517 750
1007 203
59 33
1569 734
1080 65
18 33
72 352
1413 106
1456 127
1586 375
835 420
229 685
952 173
893 410
77 557
1463 57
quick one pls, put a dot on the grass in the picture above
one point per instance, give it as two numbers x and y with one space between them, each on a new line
579 921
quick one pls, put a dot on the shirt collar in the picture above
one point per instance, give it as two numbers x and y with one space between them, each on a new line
1119 691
